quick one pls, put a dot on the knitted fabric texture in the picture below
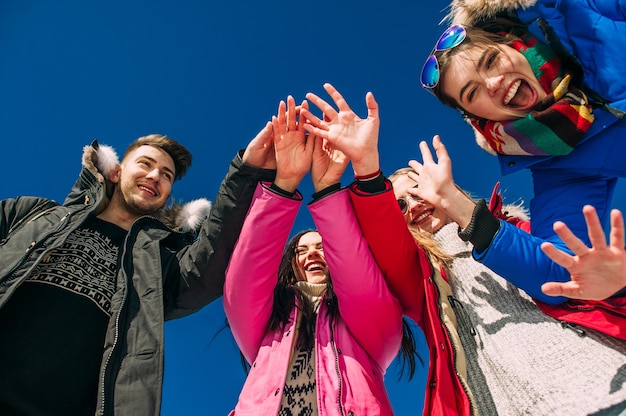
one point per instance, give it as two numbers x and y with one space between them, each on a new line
522 362
556 124
300 392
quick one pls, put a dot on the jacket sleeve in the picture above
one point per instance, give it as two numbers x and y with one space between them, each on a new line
372 314
403 263
15 212
253 270
516 255
203 263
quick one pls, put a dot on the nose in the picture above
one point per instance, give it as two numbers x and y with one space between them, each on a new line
313 252
154 174
493 83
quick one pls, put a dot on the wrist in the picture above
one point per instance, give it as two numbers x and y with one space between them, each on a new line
367 166
369 176
287 184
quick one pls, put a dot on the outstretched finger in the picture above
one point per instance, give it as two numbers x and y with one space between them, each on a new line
281 116
416 166
301 119
569 289
440 148
291 113
617 229
315 130
427 155
341 103
574 243
594 228
559 257
306 117
322 105
372 106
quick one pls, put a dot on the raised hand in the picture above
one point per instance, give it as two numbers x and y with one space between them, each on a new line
293 150
260 151
597 272
436 184
357 138
328 164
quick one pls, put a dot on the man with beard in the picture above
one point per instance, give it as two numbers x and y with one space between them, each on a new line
85 286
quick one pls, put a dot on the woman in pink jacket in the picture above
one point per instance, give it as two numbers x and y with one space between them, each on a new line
315 345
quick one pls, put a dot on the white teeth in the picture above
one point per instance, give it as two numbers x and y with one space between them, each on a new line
512 92
147 189
314 266
423 216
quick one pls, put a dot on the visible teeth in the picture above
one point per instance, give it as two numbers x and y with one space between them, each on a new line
512 92
423 216
315 266
147 190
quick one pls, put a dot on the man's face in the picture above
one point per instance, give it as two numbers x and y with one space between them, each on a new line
144 182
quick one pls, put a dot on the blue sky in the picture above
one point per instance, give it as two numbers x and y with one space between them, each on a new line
210 74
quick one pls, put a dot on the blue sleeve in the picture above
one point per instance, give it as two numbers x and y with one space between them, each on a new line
516 255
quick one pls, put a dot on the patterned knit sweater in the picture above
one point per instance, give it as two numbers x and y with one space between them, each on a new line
300 392
522 362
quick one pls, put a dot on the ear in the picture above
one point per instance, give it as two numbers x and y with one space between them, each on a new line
114 176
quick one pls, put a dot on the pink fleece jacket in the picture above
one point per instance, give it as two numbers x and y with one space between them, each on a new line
353 351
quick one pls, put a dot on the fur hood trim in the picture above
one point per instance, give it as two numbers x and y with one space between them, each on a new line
517 210
469 12
101 160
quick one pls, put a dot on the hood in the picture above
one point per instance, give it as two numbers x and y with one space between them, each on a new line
101 160
469 12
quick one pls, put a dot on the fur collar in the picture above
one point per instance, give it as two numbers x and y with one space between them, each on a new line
100 160
468 12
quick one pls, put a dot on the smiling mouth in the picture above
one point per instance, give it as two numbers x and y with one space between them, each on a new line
520 96
423 216
148 190
315 267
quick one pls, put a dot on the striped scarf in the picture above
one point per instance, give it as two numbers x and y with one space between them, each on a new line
556 124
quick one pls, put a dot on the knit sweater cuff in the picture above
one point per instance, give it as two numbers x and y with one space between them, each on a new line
482 228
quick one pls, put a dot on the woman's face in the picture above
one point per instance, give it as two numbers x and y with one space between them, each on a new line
421 214
492 82
310 260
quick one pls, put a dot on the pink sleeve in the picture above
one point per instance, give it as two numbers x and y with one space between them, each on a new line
253 269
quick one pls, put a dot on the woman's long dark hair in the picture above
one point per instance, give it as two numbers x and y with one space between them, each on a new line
286 292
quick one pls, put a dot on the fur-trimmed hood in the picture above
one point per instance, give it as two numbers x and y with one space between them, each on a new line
469 12
101 160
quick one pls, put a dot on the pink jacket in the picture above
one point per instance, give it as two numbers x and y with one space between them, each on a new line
353 351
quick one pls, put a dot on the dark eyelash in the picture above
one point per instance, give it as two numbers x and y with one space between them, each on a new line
492 58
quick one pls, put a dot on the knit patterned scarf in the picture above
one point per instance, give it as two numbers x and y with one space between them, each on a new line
556 124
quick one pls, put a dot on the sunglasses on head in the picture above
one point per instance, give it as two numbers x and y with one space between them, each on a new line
404 201
450 38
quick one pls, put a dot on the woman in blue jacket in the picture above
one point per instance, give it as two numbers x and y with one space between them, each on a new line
540 87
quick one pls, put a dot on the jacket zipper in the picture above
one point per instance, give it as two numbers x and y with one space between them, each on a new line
332 342
117 332
122 307
454 347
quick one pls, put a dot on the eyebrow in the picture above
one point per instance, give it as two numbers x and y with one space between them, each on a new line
165 168
317 244
481 62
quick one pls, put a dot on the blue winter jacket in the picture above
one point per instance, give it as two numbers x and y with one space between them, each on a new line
593 32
